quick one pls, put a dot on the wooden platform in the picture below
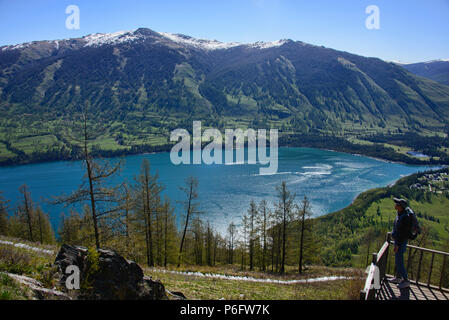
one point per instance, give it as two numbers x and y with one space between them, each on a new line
390 291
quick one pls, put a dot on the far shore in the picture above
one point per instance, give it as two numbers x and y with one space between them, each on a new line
166 149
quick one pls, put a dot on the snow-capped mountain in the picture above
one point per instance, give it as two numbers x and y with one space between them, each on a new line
437 70
133 74
120 37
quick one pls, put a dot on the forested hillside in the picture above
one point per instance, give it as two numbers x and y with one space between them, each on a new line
142 84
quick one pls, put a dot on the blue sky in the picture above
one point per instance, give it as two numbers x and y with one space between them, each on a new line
410 30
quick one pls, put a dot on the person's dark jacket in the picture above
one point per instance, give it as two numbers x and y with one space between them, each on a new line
401 228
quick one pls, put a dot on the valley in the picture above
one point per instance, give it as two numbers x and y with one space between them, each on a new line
142 84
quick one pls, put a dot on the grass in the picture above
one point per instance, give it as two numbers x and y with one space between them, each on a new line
152 127
437 207
4 152
40 266
24 261
204 288
35 143
52 247
399 149
11 290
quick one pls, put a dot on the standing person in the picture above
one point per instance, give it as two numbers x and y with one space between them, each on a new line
400 235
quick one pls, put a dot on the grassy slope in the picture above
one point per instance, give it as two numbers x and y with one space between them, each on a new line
24 262
437 207
39 266
197 287
343 234
200 288
336 231
35 139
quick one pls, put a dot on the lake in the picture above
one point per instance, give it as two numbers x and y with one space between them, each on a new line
331 180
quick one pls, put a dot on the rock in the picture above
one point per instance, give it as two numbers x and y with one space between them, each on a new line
39 291
176 295
111 277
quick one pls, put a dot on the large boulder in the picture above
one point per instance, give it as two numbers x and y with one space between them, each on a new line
106 275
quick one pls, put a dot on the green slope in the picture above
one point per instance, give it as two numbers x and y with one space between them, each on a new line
141 90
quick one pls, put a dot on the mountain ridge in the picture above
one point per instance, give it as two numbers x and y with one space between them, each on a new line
437 70
96 39
143 84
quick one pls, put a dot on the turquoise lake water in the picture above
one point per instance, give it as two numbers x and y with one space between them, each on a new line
331 180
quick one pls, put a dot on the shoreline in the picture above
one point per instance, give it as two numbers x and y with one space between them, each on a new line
390 185
431 166
5 164
324 214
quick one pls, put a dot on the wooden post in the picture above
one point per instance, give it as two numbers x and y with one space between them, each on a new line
362 295
384 264
442 271
431 267
419 266
388 262
408 260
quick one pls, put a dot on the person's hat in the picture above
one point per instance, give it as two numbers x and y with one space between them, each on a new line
402 202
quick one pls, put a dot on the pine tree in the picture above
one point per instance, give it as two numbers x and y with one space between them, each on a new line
170 231
191 209
3 215
284 209
231 242
27 209
263 224
369 237
44 227
209 243
303 213
126 203
71 228
251 218
148 190
197 228
102 200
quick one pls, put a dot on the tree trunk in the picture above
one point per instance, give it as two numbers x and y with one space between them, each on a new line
148 205
165 235
301 245
146 228
186 224
91 187
28 214
40 225
284 225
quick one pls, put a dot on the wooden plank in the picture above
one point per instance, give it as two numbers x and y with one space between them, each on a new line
382 252
415 292
425 249
429 250
445 290
369 280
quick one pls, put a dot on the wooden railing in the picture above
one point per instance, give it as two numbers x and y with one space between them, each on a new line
416 276
383 264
